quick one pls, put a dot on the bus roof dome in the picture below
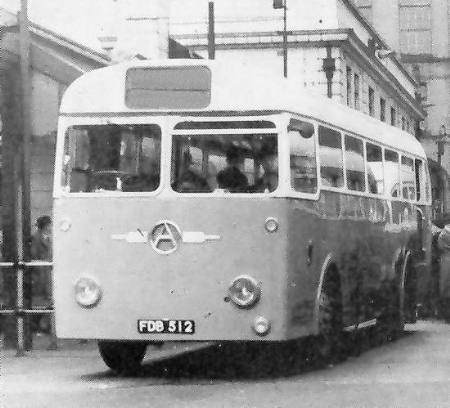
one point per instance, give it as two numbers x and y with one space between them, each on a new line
170 86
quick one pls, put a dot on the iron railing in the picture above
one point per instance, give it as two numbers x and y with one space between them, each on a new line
20 311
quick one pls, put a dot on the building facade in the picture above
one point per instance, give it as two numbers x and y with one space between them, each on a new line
419 32
331 50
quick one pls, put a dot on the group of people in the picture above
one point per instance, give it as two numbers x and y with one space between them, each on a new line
231 178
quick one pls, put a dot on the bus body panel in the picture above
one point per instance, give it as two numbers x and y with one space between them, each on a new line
190 283
363 237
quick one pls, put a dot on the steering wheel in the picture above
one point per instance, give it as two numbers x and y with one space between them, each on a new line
108 179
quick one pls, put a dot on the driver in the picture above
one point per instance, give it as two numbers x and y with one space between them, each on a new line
146 180
231 177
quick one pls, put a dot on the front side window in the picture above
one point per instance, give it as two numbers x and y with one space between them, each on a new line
375 176
232 163
420 179
408 178
100 158
391 173
330 153
302 156
354 162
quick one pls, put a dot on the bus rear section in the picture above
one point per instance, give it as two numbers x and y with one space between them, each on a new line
187 245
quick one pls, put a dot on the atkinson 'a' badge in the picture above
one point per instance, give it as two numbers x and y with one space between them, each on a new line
165 237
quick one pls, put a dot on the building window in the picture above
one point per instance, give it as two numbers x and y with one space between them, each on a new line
349 86
415 26
371 102
393 117
383 110
356 91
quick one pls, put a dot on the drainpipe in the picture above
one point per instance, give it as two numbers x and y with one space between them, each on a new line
25 79
329 67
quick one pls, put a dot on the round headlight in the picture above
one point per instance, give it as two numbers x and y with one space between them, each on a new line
87 292
244 291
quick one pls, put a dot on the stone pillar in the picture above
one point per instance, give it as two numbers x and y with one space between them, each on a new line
11 137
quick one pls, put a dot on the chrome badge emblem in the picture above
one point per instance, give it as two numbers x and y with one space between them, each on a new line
165 237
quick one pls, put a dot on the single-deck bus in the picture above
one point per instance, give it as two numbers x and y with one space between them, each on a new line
195 201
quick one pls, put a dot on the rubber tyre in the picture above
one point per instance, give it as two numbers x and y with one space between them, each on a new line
329 343
122 357
391 322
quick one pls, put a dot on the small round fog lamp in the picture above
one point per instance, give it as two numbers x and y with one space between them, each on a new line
65 225
271 224
261 325
87 292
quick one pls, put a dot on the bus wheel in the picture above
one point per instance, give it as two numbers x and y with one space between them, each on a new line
410 306
329 344
122 357
390 322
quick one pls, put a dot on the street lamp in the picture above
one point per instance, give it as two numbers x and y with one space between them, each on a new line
282 4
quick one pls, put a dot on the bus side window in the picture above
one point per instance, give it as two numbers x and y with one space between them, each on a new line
392 173
427 184
375 174
331 161
302 157
354 161
420 179
408 178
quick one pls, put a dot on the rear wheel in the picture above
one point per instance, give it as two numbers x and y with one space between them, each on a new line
391 321
122 357
329 343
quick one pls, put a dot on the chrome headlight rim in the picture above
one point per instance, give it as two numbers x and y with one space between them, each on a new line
92 284
256 292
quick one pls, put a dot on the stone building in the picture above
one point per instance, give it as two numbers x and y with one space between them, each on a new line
331 48
419 32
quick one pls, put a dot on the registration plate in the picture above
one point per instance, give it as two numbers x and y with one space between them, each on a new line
166 326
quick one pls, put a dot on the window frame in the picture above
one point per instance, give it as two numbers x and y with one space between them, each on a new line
363 142
413 158
314 137
344 170
60 191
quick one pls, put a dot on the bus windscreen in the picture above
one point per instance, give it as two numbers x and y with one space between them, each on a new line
102 158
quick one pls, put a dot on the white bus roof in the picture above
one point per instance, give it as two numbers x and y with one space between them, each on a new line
234 88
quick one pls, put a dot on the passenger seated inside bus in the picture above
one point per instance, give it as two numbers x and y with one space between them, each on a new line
224 163
231 178
146 180
269 161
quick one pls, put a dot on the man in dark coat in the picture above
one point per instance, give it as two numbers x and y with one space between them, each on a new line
231 178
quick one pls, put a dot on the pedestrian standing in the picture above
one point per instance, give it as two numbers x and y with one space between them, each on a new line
41 250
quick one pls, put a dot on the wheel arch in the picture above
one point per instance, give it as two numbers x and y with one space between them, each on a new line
329 268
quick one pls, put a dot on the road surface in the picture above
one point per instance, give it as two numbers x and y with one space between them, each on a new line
413 371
